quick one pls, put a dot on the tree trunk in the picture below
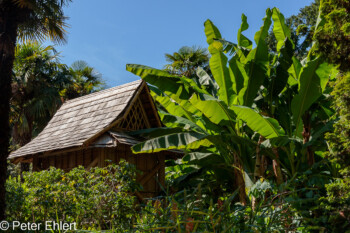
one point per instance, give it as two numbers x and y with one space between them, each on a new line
22 140
258 161
8 36
306 138
263 165
240 180
258 167
276 167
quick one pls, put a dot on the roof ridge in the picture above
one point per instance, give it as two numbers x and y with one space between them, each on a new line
102 91
95 100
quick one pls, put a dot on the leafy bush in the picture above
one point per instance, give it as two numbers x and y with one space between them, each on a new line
95 199
335 205
333 33
100 199
189 212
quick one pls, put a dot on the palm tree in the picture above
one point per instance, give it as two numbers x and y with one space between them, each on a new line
186 60
36 85
84 80
22 19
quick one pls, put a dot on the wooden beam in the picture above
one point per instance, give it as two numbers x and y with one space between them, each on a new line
144 114
93 163
148 176
139 196
155 111
17 160
27 160
55 152
161 174
36 165
102 157
45 154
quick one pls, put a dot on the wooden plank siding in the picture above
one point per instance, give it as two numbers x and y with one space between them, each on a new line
145 163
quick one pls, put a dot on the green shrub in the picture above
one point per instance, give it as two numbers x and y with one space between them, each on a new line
335 205
96 199
102 199
189 212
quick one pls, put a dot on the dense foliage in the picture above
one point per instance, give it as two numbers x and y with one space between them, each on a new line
265 130
333 36
336 203
99 199
248 116
339 142
266 120
36 84
95 199
196 212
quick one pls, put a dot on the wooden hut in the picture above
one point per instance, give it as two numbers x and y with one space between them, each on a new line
91 129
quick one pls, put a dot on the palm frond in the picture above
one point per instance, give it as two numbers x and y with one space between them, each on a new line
42 19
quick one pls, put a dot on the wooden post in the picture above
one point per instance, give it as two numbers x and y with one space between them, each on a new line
102 155
161 173
36 165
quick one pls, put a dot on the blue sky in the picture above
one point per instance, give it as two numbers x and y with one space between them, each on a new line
113 33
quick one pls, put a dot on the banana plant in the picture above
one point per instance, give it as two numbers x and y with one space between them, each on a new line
253 104
296 95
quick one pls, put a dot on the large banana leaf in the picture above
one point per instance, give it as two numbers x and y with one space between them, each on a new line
170 105
173 121
218 66
284 44
214 109
183 140
312 82
178 111
280 29
218 63
265 126
234 49
194 157
172 85
294 72
261 46
256 64
206 81
168 83
256 72
211 31
237 73
154 132
242 40
280 77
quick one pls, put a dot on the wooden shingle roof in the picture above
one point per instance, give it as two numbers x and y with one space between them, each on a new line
81 119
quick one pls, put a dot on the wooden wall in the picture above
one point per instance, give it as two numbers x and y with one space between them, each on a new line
152 166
